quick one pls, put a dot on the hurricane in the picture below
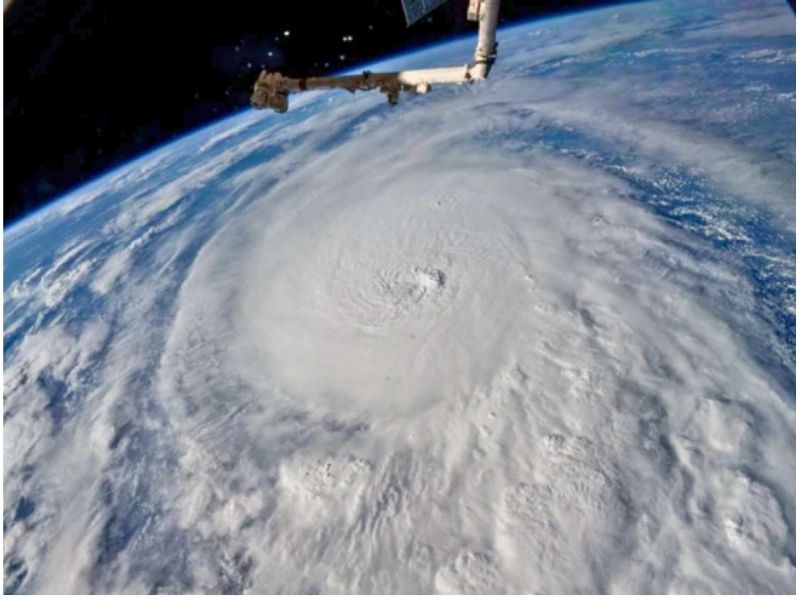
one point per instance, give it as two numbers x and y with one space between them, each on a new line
531 335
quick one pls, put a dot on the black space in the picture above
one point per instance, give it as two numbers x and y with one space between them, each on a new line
89 84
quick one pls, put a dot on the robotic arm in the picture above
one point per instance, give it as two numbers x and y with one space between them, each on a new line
272 89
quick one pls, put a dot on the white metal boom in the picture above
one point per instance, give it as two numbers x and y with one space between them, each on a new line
272 89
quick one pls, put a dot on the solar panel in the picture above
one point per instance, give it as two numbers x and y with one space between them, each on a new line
416 9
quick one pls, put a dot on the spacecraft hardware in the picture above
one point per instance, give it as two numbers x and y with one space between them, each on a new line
272 89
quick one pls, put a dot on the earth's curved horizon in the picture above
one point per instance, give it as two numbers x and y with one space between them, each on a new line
533 335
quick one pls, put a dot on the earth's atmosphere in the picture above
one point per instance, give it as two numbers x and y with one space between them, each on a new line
536 334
